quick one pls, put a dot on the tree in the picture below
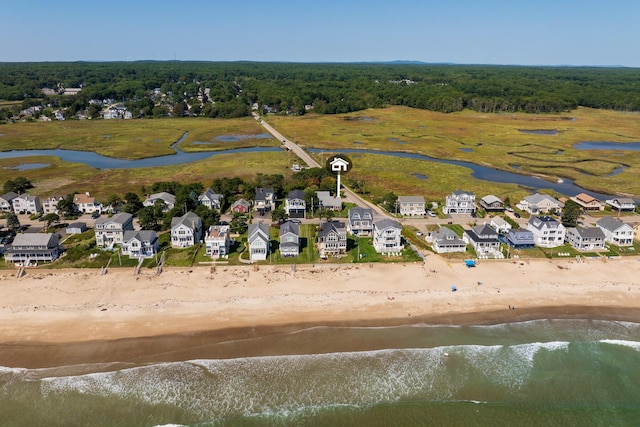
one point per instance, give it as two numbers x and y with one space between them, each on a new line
18 185
239 223
114 202
133 203
150 217
67 207
327 214
279 215
208 216
13 223
570 214
49 219
389 201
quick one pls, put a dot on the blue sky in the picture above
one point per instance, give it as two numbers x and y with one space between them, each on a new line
534 32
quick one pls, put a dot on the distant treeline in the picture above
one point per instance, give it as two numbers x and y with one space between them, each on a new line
328 88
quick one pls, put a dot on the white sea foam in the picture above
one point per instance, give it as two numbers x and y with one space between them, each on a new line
632 344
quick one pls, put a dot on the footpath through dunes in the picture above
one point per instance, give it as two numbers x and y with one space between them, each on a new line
62 307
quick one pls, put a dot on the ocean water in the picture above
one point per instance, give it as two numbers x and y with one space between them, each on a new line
536 373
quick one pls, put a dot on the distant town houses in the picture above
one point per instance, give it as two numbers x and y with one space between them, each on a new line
360 221
259 242
167 200
547 232
537 204
332 239
616 232
460 202
217 241
411 206
387 237
186 230
118 111
210 199
289 239
586 239
295 205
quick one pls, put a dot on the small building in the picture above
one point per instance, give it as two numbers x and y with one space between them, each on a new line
295 205
519 239
289 239
210 199
460 202
6 201
412 206
332 238
140 244
500 225
218 241
387 236
167 200
186 230
585 239
615 231
587 202
259 241
26 203
240 206
360 221
484 241
76 228
547 232
28 248
491 203
110 230
539 204
329 202
445 240
622 204
264 201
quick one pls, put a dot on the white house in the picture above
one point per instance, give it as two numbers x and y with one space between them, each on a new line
387 236
585 239
33 247
411 206
25 203
140 244
6 201
258 240
110 231
622 203
460 202
445 240
500 225
484 241
615 231
547 232
85 203
289 239
360 221
50 204
327 201
294 204
210 199
186 230
265 201
332 238
217 241
540 203
168 200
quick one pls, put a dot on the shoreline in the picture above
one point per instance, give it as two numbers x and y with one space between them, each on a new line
66 317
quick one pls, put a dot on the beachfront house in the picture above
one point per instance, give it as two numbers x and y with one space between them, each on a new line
217 241
26 204
460 202
289 239
240 206
585 239
85 203
412 206
387 237
186 230
539 204
445 240
259 241
621 203
587 202
360 221
295 205
484 241
519 239
50 204
615 231
166 200
210 199
491 203
6 201
332 239
500 225
28 248
547 232
110 230
329 202
140 244
264 201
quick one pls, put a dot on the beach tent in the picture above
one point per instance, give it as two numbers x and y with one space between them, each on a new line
470 263
453 289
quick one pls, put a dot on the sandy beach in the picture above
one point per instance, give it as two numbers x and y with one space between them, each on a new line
81 316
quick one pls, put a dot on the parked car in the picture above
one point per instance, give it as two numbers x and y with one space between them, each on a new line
95 215
517 215
430 213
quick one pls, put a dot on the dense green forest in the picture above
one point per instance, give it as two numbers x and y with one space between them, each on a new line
294 88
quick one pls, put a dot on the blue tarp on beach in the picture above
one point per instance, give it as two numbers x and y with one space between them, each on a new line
470 262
